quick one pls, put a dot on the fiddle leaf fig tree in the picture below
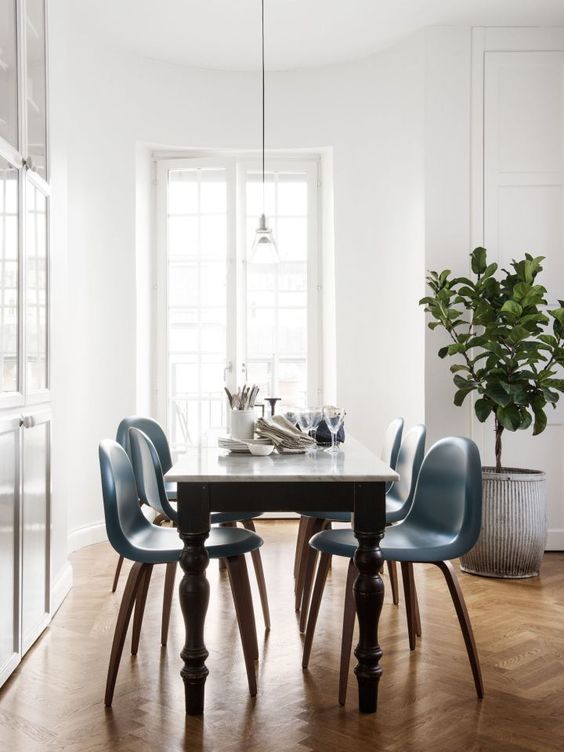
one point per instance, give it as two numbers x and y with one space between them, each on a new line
507 345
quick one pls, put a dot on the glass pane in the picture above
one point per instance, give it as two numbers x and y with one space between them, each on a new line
291 237
260 332
255 204
213 192
8 73
292 378
213 236
36 289
35 59
183 285
183 192
292 331
183 237
8 277
197 296
292 196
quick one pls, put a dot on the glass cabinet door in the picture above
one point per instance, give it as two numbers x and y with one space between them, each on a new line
8 73
9 278
36 290
35 85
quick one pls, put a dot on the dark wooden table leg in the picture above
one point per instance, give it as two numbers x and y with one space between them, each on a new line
194 589
369 522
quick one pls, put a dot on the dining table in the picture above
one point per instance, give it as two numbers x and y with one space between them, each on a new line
211 479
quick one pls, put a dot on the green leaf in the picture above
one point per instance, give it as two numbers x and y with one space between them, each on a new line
496 392
443 352
509 417
460 395
511 307
479 260
483 407
540 420
558 314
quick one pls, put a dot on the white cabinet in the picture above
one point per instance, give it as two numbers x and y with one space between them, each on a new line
25 411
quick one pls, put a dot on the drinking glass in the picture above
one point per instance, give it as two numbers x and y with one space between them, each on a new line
334 417
316 418
306 419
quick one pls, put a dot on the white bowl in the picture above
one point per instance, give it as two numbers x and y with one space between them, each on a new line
260 450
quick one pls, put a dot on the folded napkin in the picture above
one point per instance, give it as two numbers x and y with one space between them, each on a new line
283 434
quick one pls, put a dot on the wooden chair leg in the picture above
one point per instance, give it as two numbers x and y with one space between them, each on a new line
349 617
299 544
393 573
311 561
302 560
140 609
259 573
409 606
134 581
416 614
322 570
170 576
223 562
241 589
464 620
116 575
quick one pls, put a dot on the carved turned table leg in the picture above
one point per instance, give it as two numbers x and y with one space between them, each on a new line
194 589
369 523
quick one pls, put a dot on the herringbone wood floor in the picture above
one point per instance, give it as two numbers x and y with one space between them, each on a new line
427 700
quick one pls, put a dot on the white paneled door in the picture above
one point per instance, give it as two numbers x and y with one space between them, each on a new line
523 211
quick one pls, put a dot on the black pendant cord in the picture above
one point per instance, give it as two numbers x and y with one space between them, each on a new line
263 108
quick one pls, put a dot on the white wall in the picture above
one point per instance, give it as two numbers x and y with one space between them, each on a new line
447 203
369 113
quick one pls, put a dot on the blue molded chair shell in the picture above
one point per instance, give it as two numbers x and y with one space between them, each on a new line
133 536
443 523
155 432
445 517
392 443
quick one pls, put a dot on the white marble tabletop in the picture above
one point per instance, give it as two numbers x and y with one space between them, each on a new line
354 463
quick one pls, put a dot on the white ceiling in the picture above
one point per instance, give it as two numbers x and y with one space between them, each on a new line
224 34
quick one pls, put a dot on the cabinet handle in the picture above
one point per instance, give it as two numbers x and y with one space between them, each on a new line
27 421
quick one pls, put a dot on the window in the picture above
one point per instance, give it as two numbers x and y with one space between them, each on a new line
223 319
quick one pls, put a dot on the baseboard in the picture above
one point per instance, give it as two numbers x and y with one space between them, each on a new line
86 536
555 540
61 588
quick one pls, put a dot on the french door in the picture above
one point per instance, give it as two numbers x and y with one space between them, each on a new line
225 319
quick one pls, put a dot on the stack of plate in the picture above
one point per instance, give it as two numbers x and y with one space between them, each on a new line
238 445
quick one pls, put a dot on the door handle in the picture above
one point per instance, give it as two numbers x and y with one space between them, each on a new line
27 421
228 368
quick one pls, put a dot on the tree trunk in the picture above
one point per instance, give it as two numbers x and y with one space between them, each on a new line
498 431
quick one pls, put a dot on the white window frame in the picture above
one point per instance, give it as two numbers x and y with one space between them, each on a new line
236 164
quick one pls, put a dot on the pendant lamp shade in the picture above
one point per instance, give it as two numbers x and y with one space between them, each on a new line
264 250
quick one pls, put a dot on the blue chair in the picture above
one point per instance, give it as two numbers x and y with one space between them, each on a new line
151 488
398 494
134 537
442 524
154 431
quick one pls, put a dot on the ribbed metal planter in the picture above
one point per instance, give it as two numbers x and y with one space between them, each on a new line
514 525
